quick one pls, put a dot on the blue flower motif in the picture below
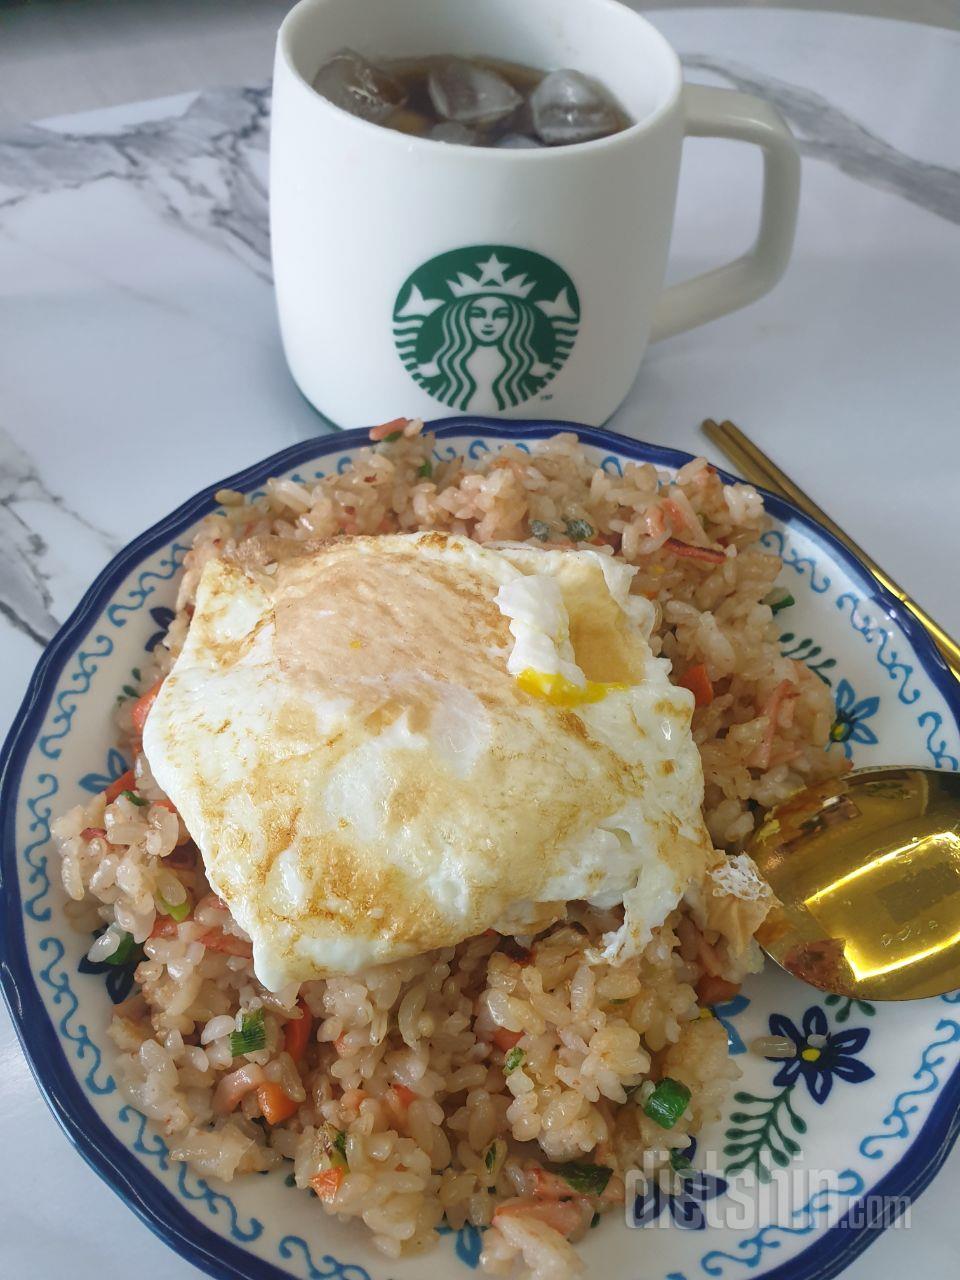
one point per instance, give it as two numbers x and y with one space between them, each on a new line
724 1013
818 1064
116 767
162 616
697 1188
848 726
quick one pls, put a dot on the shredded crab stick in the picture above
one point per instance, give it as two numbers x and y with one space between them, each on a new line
688 551
712 989
505 1039
296 1033
387 429
233 1088
565 1216
227 943
785 691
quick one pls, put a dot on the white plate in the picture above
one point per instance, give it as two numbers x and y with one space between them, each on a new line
873 1117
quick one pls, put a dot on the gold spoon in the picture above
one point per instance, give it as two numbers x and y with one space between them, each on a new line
867 869
866 866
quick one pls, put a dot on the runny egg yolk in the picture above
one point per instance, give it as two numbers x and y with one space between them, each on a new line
560 691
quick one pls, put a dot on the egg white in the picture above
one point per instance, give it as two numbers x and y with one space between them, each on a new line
352 747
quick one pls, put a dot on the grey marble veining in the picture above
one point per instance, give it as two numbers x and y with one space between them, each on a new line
826 133
204 172
25 597
198 168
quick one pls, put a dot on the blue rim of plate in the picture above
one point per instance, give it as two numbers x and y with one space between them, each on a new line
103 1151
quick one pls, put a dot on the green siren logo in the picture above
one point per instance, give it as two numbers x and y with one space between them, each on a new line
485 328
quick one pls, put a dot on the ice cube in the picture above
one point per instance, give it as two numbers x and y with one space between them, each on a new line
469 94
567 107
517 142
351 82
451 131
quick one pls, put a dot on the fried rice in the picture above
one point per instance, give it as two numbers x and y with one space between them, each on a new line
502 1082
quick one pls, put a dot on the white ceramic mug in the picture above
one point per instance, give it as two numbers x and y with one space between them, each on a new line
419 278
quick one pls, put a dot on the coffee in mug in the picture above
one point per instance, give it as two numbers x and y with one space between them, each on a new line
420 279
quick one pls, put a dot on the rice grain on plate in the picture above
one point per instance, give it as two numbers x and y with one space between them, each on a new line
459 1085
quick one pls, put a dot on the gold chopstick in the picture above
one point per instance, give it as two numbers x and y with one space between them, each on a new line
755 466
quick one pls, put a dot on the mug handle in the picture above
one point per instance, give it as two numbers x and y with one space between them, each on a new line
726 113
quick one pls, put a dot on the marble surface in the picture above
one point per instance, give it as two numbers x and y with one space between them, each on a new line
139 361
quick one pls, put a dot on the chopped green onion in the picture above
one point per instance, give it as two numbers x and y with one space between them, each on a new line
178 912
251 1036
667 1103
513 1060
394 435
579 530
495 1155
425 470
587 1179
335 1145
290 1180
123 952
680 1163
540 529
134 799
595 1220
778 600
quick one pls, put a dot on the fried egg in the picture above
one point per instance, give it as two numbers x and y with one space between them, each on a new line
390 744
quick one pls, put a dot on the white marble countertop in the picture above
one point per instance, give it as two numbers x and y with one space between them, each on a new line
139 361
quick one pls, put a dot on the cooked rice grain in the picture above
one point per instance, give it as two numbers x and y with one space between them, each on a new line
442 1086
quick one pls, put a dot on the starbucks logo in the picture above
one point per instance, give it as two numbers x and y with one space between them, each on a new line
485 328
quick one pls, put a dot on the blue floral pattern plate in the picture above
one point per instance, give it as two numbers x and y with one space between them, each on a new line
814 1155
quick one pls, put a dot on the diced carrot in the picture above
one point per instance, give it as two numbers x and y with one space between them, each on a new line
505 1039
327 1183
141 708
227 943
93 833
695 679
164 927
276 1105
687 551
126 782
713 990
404 1095
296 1033
388 428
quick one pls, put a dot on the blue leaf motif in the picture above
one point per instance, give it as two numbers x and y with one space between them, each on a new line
116 768
469 1243
724 1014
